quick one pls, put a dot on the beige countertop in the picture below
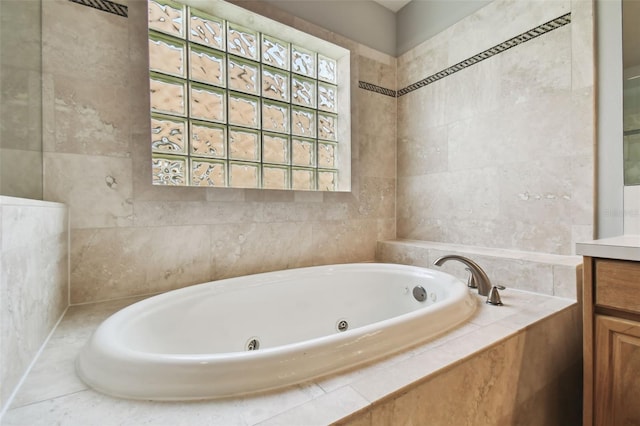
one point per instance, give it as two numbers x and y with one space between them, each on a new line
624 247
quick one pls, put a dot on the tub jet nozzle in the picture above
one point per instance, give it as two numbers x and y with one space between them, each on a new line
253 344
420 293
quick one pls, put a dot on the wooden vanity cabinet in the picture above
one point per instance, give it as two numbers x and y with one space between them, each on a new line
611 320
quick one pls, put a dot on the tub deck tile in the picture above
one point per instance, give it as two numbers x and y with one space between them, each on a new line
52 394
53 375
354 375
92 408
386 382
324 410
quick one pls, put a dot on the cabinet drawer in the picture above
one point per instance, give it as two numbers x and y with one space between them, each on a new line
618 284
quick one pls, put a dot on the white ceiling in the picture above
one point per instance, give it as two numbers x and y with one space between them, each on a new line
393 5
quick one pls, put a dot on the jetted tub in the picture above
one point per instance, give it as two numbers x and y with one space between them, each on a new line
265 331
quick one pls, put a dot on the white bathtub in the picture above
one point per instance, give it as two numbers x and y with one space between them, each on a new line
194 342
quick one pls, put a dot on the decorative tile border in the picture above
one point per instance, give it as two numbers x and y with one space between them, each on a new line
373 88
105 6
492 51
506 45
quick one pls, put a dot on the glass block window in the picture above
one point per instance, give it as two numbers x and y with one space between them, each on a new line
232 106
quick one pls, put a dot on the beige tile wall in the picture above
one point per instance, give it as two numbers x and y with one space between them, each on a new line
129 237
501 153
498 155
21 94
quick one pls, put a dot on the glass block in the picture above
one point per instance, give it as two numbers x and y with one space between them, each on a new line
303 122
303 152
327 69
208 140
244 110
208 173
275 84
168 135
168 170
327 180
303 91
327 127
207 103
275 148
275 52
274 177
167 94
303 179
275 117
303 61
167 55
244 144
207 66
327 155
244 175
242 41
166 16
206 29
327 97
243 75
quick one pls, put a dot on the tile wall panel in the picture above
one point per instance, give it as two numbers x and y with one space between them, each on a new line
101 168
500 153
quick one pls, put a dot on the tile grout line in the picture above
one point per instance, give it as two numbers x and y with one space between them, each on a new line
41 401
26 373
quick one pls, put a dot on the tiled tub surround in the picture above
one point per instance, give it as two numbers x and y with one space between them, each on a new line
471 168
551 274
514 364
500 154
34 285
98 162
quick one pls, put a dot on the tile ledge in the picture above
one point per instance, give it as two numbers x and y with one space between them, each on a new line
538 257
16 201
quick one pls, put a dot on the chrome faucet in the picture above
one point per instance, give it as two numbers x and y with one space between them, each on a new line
479 276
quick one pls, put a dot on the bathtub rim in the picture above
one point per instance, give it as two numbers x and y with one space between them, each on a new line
455 293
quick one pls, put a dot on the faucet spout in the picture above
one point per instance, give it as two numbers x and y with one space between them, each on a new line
480 277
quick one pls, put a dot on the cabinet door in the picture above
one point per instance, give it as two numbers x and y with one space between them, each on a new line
617 372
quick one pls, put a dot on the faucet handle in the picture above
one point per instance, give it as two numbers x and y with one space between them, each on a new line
494 296
471 282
